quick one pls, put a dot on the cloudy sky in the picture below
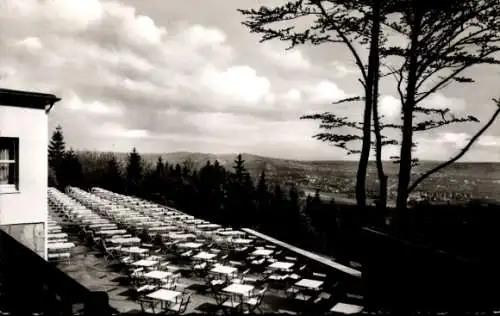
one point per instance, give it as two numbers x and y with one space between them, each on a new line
164 75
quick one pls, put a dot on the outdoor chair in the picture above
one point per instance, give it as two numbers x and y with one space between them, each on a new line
323 300
171 282
255 300
240 278
91 240
180 304
292 291
110 253
149 306
83 233
200 269
231 303
216 286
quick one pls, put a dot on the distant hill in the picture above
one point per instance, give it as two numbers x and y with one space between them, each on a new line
254 163
336 168
333 178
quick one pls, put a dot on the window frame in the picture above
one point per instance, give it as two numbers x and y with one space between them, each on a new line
14 143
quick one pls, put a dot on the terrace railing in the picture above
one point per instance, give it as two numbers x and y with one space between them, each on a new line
30 284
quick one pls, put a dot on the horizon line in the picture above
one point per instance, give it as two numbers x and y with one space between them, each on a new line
269 157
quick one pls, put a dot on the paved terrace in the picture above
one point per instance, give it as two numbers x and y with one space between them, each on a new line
330 263
143 255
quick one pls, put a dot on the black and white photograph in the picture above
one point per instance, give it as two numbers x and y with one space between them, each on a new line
293 157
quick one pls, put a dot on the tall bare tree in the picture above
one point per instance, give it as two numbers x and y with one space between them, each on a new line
332 22
442 40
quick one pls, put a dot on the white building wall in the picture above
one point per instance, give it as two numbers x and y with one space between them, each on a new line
29 204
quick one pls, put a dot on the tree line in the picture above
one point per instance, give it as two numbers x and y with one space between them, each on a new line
225 196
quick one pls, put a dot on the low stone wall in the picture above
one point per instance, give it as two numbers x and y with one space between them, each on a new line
32 235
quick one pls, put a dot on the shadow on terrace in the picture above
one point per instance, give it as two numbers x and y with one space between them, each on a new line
29 285
149 258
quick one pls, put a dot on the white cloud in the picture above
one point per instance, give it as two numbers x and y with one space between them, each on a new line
441 101
456 139
241 83
325 92
390 106
73 102
109 60
293 95
290 59
31 43
75 12
222 123
489 141
104 46
341 70
111 129
202 36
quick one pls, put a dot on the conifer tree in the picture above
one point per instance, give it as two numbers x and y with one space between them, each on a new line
57 147
113 179
70 171
262 199
134 172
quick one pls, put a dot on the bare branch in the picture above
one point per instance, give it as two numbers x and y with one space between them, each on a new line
350 99
341 34
452 75
461 153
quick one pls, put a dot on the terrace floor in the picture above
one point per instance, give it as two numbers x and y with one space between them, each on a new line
88 267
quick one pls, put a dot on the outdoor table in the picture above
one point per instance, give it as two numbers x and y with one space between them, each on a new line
57 240
204 256
191 245
281 265
125 240
145 263
60 246
161 228
111 232
182 236
201 226
57 235
231 233
164 295
94 220
347 309
158 275
153 223
103 226
227 270
242 241
309 284
136 250
263 252
239 289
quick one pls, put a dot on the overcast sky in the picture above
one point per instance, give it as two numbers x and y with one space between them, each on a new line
164 76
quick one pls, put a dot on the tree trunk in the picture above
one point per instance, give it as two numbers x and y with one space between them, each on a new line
382 178
407 131
367 133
